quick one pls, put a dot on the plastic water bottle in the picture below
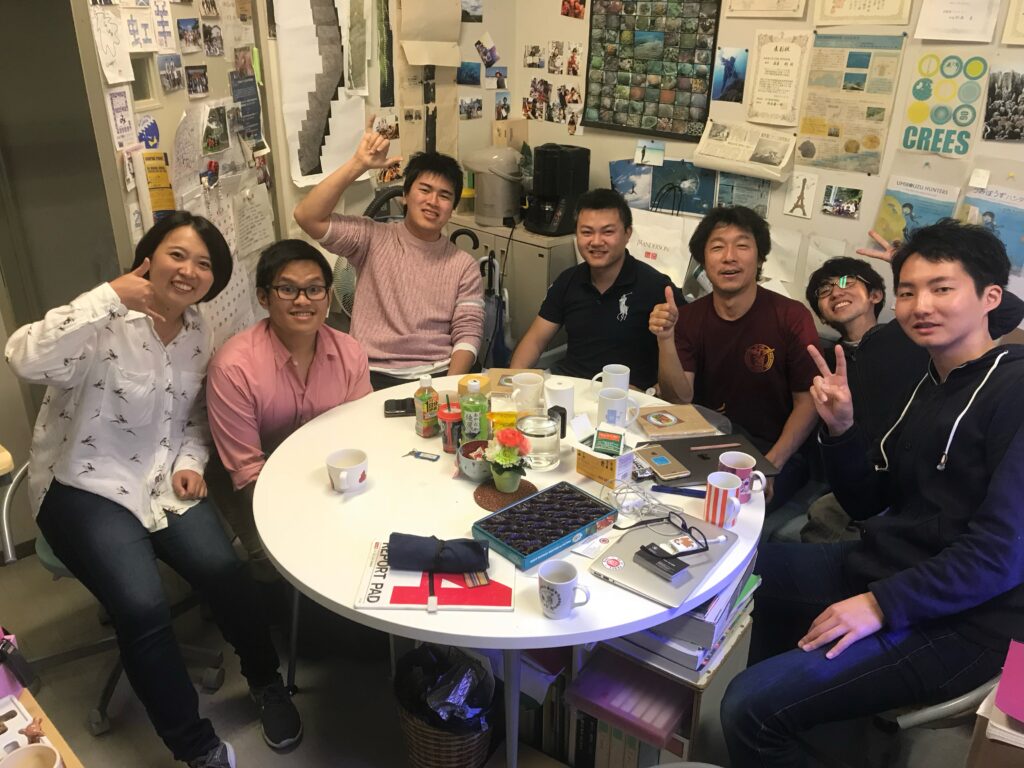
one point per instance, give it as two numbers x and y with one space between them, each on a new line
426 408
475 425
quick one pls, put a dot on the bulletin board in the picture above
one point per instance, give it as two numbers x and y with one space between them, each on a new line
927 164
649 67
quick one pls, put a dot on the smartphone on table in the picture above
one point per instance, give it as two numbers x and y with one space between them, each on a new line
405 406
664 465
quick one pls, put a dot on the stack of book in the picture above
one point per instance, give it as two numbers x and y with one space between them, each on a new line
686 647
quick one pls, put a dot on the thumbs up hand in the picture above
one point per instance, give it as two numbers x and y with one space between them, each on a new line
136 292
664 316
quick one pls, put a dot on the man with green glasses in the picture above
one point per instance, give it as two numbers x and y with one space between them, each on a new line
270 379
883 365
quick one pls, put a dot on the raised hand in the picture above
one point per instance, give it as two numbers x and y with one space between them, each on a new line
886 252
846 621
372 151
188 484
831 392
663 318
136 292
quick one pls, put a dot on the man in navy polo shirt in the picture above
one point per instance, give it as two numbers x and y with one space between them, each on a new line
604 303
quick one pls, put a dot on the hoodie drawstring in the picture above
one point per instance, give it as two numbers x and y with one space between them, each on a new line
945 452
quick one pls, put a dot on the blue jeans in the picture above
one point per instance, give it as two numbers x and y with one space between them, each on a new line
114 556
779 696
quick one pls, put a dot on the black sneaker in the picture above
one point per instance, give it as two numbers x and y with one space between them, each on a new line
278 717
221 756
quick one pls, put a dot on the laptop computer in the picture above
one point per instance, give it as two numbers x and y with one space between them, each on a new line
700 455
617 564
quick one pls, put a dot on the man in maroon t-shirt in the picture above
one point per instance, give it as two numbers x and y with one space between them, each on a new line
742 351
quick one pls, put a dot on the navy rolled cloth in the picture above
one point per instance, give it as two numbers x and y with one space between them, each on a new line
429 553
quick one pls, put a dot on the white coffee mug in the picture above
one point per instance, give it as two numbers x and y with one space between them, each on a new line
613 375
528 391
616 407
560 391
347 470
558 587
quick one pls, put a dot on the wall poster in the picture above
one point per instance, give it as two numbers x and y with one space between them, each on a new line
847 108
649 69
946 102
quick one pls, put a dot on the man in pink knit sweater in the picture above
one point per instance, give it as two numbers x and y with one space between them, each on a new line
419 300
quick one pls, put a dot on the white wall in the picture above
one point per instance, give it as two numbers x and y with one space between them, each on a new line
539 21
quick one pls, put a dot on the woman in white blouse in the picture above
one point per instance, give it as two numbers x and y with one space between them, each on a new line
116 474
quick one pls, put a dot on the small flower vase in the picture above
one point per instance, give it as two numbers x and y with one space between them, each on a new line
506 482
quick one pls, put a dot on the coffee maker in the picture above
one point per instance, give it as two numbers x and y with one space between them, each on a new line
561 174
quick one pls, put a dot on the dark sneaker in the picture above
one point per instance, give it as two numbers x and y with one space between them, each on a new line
221 756
278 716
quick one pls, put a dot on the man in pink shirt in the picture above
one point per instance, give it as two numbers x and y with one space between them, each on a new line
273 377
419 300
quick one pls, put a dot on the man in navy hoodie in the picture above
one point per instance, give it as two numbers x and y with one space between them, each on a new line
923 607
883 365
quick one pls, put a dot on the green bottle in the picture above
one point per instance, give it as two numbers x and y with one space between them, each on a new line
475 425
426 408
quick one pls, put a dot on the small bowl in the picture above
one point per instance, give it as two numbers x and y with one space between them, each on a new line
476 470
32 756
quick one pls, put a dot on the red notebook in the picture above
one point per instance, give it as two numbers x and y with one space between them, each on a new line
386 587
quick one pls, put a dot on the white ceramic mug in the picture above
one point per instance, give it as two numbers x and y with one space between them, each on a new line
528 392
560 391
721 502
347 470
742 465
613 375
557 582
39 755
616 407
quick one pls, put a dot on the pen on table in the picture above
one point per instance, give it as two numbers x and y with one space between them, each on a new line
718 539
713 447
696 493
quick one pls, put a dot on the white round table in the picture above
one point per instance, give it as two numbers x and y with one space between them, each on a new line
320 540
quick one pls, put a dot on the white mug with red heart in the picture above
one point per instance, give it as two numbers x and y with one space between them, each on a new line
347 470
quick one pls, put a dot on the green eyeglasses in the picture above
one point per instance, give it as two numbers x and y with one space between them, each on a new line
842 281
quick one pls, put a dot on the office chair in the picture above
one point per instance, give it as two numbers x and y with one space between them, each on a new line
98 721
945 714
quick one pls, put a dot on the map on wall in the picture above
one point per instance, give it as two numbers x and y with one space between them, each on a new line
649 67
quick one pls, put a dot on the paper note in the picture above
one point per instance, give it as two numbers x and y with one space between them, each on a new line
111 46
779 64
121 115
965 20
254 219
430 32
979 178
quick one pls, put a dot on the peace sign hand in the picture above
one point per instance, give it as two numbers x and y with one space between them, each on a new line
886 252
831 392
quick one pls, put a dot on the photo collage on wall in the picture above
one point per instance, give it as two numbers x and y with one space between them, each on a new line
650 65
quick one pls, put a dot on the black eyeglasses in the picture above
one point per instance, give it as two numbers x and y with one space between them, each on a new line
842 281
290 292
696 544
